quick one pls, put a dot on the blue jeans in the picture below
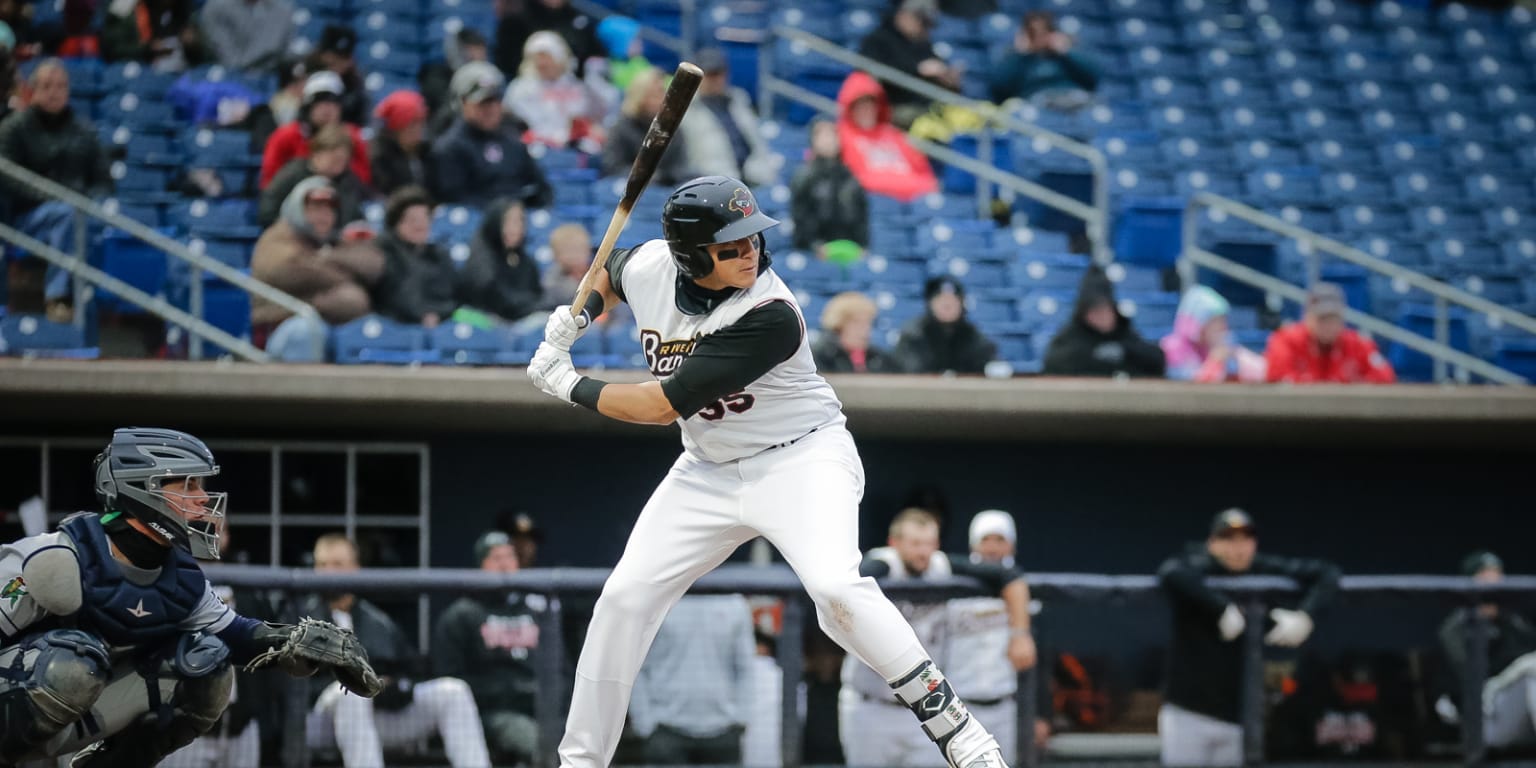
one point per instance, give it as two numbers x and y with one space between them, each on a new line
53 223
293 341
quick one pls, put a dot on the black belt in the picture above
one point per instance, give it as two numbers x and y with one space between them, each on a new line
788 443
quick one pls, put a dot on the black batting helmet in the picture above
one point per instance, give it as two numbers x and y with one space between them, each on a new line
709 210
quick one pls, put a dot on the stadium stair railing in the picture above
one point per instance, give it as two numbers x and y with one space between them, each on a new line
1095 216
88 277
1449 363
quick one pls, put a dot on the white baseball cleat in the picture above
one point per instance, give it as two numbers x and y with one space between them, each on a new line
973 747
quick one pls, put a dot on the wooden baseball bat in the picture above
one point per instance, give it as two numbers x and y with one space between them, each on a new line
679 95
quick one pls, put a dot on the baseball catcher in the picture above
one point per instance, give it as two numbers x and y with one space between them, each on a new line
112 642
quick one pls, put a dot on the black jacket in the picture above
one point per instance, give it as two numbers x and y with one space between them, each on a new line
1510 636
393 167
1080 350
62 147
624 139
889 47
832 358
1205 672
502 281
827 203
416 281
473 167
491 643
350 193
929 346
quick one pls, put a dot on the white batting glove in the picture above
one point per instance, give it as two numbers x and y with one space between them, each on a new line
551 371
1231 623
562 330
1292 628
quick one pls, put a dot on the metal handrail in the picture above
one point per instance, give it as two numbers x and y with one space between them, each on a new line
1443 293
1435 349
944 154
1436 288
200 262
195 326
1098 224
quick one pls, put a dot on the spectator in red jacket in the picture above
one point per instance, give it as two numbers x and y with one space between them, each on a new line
875 150
321 107
1320 349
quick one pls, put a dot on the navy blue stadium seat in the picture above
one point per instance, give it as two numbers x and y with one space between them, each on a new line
36 336
374 339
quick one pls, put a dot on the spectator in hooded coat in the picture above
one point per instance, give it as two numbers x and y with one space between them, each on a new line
500 276
877 152
1200 347
1098 340
942 340
419 284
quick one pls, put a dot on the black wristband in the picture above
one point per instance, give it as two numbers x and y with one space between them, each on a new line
586 392
594 306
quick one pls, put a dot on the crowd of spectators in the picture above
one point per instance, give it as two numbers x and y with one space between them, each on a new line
578 84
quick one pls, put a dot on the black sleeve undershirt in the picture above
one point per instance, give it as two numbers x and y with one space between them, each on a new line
729 359
615 266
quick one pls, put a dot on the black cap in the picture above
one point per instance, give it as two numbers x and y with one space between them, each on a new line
1232 521
1479 561
336 38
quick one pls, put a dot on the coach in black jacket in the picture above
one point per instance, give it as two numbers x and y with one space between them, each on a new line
492 642
1199 721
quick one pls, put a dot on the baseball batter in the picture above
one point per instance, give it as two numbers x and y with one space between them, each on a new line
765 453
110 636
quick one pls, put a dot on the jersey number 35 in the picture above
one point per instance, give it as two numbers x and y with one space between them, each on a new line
740 402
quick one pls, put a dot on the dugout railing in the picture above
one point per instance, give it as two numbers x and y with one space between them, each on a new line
88 277
564 586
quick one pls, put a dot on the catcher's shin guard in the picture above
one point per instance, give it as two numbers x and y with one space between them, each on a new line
47 682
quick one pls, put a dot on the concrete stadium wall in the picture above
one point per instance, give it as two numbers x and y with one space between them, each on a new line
1104 476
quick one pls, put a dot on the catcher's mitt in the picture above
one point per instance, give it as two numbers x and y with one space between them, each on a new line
315 643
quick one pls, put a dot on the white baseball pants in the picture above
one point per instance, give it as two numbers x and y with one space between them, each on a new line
352 724
803 498
1192 739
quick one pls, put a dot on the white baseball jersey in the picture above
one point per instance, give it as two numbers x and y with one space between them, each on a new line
18 609
784 404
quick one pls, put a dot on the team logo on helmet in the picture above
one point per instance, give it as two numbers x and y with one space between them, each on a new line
742 202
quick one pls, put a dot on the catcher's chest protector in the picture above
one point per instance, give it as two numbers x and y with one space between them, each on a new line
120 611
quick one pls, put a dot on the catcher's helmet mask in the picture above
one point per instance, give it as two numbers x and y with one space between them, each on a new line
708 211
131 475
